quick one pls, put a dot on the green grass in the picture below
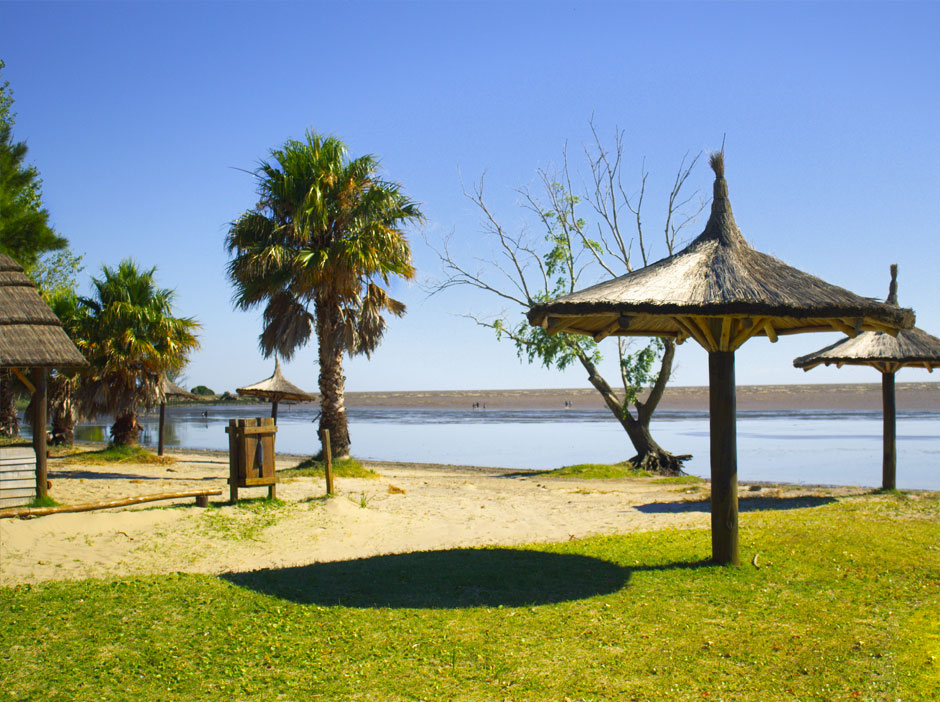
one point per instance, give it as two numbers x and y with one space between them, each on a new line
342 468
249 518
845 605
597 471
681 480
42 502
115 454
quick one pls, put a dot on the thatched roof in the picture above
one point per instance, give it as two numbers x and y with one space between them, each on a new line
276 388
911 347
719 291
31 335
171 389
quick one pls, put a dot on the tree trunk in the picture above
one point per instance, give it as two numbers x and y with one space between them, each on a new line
332 381
649 456
125 430
63 424
9 422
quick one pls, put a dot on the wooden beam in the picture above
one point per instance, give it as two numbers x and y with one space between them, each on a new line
745 333
200 495
39 432
607 331
692 329
770 331
23 379
840 326
725 340
553 325
703 324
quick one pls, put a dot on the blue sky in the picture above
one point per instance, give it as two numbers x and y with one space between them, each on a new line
139 115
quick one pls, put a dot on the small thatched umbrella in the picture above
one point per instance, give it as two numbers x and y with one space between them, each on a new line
32 338
888 354
719 292
169 389
275 389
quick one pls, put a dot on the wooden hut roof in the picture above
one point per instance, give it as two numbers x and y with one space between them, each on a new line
911 347
31 336
171 389
276 388
716 278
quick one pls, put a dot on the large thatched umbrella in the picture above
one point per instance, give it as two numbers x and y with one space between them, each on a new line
32 340
275 389
719 292
168 390
888 354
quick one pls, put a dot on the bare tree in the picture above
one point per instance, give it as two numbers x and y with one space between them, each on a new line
572 249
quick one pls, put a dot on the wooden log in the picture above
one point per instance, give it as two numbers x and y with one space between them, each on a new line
724 457
27 512
327 462
161 430
39 431
889 450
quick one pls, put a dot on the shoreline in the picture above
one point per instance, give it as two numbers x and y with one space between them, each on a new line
822 396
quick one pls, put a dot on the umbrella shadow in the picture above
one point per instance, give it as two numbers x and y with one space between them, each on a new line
447 579
99 475
745 504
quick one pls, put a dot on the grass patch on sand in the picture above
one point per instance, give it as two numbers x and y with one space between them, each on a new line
245 520
597 471
115 454
342 468
845 605
681 480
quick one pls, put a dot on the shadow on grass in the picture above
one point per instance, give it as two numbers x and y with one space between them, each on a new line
450 579
745 504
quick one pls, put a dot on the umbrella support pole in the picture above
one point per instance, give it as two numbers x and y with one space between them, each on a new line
40 399
889 449
161 430
724 457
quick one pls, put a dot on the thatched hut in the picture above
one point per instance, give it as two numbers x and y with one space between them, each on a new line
276 389
32 341
910 348
169 390
719 292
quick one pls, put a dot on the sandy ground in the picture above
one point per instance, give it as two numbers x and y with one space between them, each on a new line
410 507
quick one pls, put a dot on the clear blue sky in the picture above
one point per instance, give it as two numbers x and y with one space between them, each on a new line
138 116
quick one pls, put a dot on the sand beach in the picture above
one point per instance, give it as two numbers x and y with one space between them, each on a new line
409 507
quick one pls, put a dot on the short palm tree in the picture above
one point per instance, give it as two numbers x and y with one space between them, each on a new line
325 237
130 338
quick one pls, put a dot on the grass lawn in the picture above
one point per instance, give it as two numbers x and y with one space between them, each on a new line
845 605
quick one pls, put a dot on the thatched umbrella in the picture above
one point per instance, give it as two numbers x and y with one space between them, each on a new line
169 389
32 338
888 354
719 292
275 389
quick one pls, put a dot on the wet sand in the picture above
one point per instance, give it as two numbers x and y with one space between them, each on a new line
849 396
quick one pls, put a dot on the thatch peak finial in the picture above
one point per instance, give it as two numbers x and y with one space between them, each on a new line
893 287
717 162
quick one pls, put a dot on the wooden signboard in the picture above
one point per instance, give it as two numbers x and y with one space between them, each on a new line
251 454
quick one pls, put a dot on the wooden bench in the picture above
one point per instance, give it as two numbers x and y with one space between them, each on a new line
202 500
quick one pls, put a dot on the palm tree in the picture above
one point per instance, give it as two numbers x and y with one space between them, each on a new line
130 338
325 237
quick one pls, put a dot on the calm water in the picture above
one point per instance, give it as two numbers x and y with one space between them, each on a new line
838 448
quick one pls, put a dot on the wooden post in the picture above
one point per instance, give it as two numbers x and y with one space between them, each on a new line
889 449
274 410
327 462
724 457
39 431
232 461
160 432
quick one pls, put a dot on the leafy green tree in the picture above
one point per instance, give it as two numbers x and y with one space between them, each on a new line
571 250
318 252
130 338
25 233
202 390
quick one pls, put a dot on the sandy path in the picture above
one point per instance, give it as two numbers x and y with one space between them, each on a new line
433 507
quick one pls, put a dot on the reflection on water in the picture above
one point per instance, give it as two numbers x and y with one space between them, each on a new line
809 446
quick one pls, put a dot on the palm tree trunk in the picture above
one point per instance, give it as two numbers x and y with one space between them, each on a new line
125 430
332 381
9 422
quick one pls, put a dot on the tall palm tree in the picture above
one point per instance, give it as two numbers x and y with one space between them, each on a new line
325 237
130 338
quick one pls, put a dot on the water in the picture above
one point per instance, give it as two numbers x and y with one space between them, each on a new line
809 446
